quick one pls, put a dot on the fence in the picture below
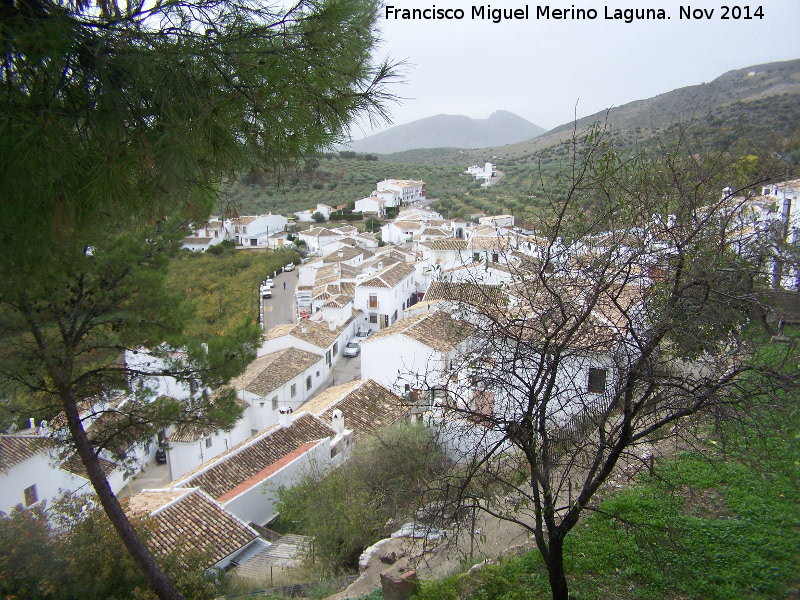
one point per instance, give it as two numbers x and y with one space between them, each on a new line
297 589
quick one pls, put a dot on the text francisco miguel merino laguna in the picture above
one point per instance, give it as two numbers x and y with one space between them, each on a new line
628 15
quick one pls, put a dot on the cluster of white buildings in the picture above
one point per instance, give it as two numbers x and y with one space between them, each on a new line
262 231
484 173
412 303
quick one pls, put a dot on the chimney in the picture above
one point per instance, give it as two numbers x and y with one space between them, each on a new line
340 253
285 416
331 326
32 423
337 422
304 329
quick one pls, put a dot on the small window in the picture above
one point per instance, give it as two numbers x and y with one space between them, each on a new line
373 300
31 497
597 381
293 390
495 257
209 441
373 318
253 432
476 257
308 382
275 403
335 348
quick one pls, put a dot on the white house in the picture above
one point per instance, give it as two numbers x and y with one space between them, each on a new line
401 231
285 377
306 216
317 337
484 173
199 244
33 472
255 231
409 191
316 237
384 295
372 205
413 354
497 221
244 479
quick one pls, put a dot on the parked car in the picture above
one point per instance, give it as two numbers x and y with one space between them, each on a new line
161 455
289 267
351 349
362 335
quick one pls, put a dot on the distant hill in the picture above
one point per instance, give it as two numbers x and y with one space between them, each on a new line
453 131
761 103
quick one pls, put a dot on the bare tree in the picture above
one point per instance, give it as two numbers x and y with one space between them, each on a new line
624 318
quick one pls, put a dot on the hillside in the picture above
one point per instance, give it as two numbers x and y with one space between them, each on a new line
455 131
761 103
756 107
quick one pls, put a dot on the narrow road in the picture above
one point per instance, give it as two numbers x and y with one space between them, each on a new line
279 309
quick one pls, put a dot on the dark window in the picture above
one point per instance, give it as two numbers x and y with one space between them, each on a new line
293 390
275 403
495 257
208 442
373 318
308 382
31 497
476 257
597 381
336 348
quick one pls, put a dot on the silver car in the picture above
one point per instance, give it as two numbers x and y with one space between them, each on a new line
352 349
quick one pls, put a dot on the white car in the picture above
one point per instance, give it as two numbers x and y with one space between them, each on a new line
352 349
289 267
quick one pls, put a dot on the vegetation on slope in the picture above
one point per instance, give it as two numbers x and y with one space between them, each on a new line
224 286
332 179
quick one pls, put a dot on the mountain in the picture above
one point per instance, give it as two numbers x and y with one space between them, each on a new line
760 103
450 131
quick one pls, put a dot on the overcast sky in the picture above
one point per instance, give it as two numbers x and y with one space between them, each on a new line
543 69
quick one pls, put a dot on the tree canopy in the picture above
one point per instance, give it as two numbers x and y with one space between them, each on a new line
119 122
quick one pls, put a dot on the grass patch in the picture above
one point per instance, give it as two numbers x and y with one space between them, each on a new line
708 528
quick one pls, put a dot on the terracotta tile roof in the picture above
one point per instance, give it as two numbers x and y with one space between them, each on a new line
489 242
437 330
448 244
317 332
189 519
230 469
268 471
269 372
389 277
438 231
243 220
348 253
320 232
338 301
15 449
408 224
196 240
367 406
470 293
75 466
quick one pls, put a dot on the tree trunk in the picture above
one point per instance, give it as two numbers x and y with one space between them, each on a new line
143 558
555 569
